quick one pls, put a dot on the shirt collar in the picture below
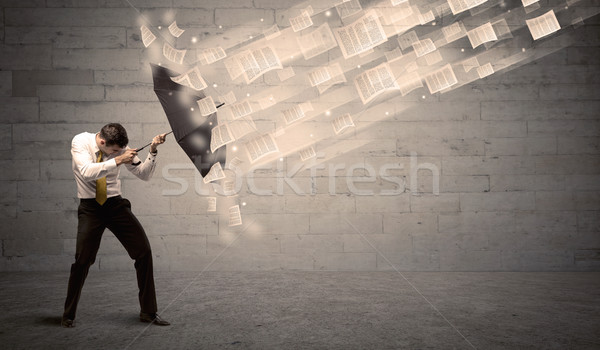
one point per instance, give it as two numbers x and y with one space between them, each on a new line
95 148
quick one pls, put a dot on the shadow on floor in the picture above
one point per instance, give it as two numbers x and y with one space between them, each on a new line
48 320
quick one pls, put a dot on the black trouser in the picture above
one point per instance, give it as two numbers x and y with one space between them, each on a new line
115 215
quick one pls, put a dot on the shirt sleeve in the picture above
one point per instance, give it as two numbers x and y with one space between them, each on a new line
144 170
86 164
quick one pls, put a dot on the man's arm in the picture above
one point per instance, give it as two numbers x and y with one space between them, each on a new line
145 170
86 164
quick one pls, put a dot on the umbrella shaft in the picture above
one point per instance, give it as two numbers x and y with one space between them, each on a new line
141 148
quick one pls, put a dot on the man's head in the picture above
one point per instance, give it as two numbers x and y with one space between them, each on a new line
112 138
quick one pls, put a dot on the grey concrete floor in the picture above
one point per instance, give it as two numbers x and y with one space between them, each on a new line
309 310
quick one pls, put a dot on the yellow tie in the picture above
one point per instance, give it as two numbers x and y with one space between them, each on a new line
100 186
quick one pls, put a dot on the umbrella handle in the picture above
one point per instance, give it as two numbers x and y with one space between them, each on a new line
141 148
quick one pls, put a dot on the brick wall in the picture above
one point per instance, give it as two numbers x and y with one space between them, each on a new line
517 154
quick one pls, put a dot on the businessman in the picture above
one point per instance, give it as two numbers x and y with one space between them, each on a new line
97 160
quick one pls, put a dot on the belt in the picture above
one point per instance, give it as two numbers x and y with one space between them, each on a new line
88 200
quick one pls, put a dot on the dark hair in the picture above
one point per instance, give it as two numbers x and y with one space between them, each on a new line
114 134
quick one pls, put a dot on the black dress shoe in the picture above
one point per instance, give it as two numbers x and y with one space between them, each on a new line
67 323
153 318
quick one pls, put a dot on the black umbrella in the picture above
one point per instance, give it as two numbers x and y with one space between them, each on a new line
191 130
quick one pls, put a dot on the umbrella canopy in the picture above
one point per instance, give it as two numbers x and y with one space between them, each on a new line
191 130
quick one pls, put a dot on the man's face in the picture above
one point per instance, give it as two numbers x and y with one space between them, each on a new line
109 150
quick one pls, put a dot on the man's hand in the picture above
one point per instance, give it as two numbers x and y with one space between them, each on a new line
126 157
157 140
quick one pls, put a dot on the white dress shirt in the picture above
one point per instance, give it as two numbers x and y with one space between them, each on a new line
85 151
